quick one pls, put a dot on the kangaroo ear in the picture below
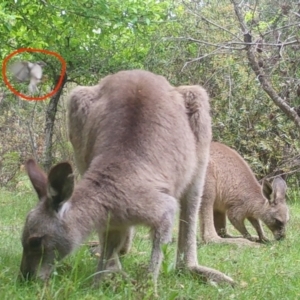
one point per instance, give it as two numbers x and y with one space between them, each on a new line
279 187
37 177
267 190
60 184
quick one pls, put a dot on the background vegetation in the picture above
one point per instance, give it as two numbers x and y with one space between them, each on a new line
227 47
246 54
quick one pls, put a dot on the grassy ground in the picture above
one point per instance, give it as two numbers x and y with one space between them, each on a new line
267 272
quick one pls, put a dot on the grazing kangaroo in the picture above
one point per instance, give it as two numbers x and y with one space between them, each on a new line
231 189
138 154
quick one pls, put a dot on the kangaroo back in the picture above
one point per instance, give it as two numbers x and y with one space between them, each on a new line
122 116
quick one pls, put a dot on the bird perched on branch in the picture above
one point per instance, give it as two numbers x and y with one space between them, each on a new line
27 71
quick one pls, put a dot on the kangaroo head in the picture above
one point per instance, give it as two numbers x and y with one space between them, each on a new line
45 237
277 212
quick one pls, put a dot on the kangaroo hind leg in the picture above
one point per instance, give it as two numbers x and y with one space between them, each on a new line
187 248
162 232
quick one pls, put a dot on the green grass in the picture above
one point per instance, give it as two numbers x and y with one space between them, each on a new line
267 272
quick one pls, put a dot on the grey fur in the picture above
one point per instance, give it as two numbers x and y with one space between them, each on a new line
135 148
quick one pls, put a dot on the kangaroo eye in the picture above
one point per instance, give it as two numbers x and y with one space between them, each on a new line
278 223
35 242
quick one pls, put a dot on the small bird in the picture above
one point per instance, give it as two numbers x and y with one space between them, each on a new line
27 71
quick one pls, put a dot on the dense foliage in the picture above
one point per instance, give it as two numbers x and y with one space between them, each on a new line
189 42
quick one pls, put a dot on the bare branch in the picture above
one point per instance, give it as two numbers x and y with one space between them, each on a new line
282 27
240 17
199 58
228 45
297 14
265 83
220 46
209 21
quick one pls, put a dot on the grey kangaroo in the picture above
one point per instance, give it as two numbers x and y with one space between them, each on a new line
231 189
142 146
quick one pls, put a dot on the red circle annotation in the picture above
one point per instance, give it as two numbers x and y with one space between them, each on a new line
62 74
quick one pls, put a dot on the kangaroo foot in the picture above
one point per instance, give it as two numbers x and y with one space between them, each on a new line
237 241
211 275
258 240
264 240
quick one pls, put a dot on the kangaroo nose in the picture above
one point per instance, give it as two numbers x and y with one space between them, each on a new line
279 237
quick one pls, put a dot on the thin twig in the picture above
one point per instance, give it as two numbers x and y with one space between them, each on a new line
227 45
199 58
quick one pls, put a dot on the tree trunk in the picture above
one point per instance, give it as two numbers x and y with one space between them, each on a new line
49 126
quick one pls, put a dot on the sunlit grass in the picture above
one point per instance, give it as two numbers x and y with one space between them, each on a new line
268 272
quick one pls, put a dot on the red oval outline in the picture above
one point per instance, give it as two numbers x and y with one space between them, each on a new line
63 71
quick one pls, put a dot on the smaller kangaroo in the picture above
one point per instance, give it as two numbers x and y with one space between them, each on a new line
231 189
